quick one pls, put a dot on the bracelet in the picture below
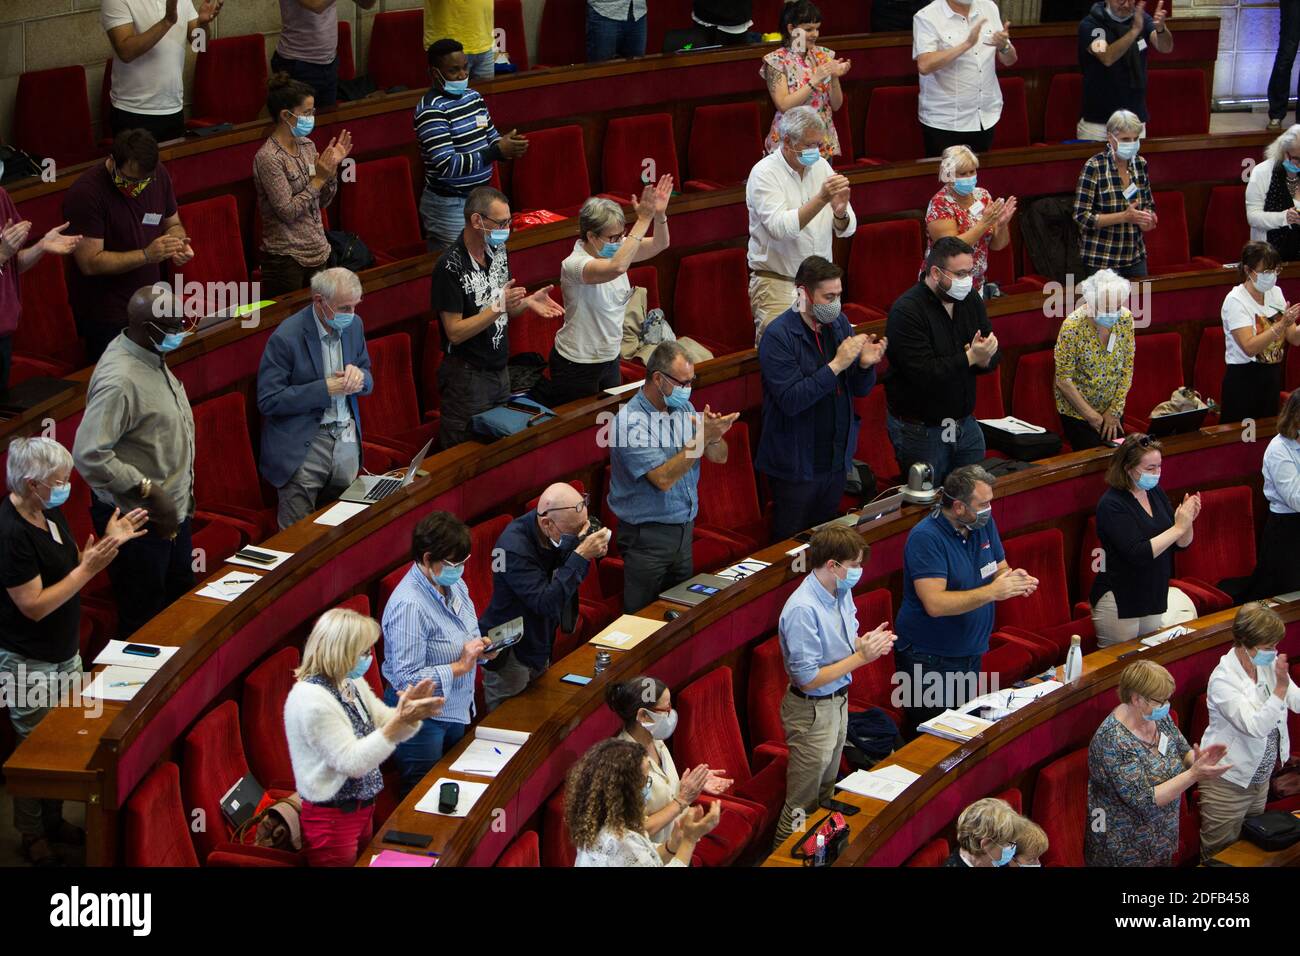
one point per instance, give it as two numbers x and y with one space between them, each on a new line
663 221
1006 48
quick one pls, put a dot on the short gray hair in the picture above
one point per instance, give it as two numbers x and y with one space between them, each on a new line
1278 149
960 483
796 123
336 283
1123 121
598 214
34 459
954 157
1103 285
663 357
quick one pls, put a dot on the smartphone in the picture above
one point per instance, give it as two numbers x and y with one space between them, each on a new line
142 650
402 838
448 797
579 679
706 589
840 806
258 557
505 635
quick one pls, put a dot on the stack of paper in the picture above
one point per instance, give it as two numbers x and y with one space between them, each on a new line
626 632
397 858
883 784
742 569
341 512
998 704
280 558
1013 425
489 751
469 794
114 653
1167 635
229 586
118 683
951 725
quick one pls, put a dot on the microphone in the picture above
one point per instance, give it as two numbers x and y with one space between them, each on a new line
920 485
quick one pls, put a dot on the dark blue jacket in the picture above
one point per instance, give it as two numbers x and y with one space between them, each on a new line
795 378
291 391
538 582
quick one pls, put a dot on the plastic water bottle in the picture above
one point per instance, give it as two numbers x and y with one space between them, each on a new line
603 659
819 858
1074 660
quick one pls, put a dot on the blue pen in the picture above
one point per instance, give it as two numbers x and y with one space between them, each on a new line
497 749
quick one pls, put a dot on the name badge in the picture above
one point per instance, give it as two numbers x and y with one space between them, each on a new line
350 433
1142 45
989 569
58 539
976 209
481 121
1130 191
1110 342
1164 744
152 218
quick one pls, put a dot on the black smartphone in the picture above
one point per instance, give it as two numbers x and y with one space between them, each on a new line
521 407
448 797
257 557
847 809
402 838
580 679
142 650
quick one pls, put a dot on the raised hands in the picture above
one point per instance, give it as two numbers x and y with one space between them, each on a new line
1001 38
976 28
1205 762
328 160
97 555
512 145
13 237
984 347
56 243
875 644
1008 211
208 11
541 303
873 350
833 186
1017 583
124 527
716 425
654 199
164 247
413 705
1158 17
1188 511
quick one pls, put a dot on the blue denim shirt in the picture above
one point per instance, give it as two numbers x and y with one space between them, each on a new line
795 378
642 439
817 629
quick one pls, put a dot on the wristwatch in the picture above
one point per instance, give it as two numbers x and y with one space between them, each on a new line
1005 48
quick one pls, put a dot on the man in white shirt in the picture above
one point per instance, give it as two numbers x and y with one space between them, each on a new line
954 44
797 204
149 39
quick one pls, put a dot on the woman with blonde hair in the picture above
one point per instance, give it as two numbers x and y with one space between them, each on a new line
605 807
986 834
1031 844
961 208
340 732
1139 767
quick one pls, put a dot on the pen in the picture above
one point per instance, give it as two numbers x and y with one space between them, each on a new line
498 750
240 580
126 683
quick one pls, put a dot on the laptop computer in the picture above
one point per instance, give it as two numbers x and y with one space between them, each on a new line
1177 423
368 489
696 590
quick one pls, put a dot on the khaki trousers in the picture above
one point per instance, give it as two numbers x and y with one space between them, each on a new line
815 731
1113 629
768 298
1223 807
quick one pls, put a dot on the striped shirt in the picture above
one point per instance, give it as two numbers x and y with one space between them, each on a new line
457 141
424 634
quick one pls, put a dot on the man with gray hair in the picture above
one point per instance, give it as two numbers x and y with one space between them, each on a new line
655 447
135 448
313 368
797 205
954 568
1114 40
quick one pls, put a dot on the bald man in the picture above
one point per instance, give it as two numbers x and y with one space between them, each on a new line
537 565
135 448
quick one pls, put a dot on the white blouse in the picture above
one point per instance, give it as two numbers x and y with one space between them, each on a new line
625 849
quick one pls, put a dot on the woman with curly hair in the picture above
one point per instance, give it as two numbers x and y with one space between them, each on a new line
604 806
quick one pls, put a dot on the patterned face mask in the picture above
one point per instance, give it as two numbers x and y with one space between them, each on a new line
130 187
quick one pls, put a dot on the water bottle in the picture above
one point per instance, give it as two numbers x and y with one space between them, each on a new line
819 857
1074 660
602 661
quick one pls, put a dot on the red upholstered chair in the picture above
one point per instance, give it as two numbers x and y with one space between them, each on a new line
764 690
347 57
380 207
1061 807
1291 373
1157 372
156 827
262 716
767 16
553 173
1178 105
726 141
524 851
390 414
988 396
884 261
430 362
557 847
846 17
227 488
1167 244
728 495
1008 659
397 50
478 569
1013 798
662 17
1044 615
508 17
1226 229
647 277
1090 553
893 130
711 301
1207 374
65 137
1012 129
230 81
361 604
708 732
213 226
562 34
1064 107
1002 270
1200 719
47 333
1223 547
844 130
874 446
872 684
934 853
629 141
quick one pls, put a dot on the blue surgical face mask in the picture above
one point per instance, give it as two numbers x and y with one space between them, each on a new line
1107 320
59 495
450 574
1289 166
303 125
1008 854
1264 281
964 186
170 340
850 580
341 320
610 249
678 398
363 665
1160 713
1264 658
981 519
1127 151
809 156
1117 19
1148 480
496 238
454 87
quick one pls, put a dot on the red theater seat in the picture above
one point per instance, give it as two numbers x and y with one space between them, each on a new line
1061 807
873 684
1167 243
397 56
1012 129
1157 372
844 130
1090 554
227 488
874 446
390 414
1226 230
893 130
562 34
728 496
711 301
156 826
524 851
663 16
347 57
884 262
1207 375
46 332
1064 107
725 143
552 175
213 228
1044 615
1002 270
932 854
380 207
629 142
1223 547
262 716
1177 104
59 132
764 690
508 17
230 81
845 17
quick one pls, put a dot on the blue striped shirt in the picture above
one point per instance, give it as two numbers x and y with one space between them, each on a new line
424 635
817 629
457 140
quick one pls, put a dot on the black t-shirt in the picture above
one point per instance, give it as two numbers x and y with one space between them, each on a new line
1123 84
462 286
1139 581
27 552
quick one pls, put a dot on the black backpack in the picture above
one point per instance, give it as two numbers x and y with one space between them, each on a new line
873 734
1272 830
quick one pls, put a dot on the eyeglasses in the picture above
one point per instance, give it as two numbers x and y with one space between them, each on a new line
963 274
690 384
497 223
581 506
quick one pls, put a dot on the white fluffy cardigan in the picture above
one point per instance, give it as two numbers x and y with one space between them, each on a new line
323 747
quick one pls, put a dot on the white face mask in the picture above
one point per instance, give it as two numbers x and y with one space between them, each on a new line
663 725
960 287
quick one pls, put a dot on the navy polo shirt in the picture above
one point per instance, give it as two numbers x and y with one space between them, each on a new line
935 549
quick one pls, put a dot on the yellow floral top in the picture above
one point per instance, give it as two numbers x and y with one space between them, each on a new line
1101 373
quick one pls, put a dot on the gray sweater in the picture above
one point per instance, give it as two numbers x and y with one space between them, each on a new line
137 425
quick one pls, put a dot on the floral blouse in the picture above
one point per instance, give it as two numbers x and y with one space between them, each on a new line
1101 373
1124 826
797 70
944 205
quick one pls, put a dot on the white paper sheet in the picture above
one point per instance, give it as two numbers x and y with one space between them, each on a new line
230 585
620 389
341 512
883 784
743 569
102 686
489 751
112 654
1166 635
469 794
280 558
1013 425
